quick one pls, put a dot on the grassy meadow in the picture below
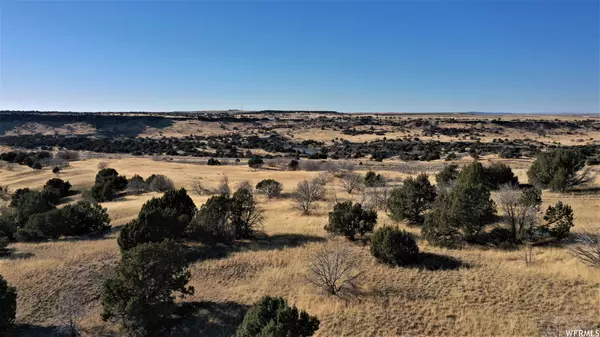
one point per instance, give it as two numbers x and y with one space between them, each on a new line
486 292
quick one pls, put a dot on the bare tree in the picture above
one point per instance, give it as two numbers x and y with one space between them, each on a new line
137 185
322 178
102 165
375 197
351 182
521 210
199 188
347 166
587 248
244 185
336 269
161 183
224 188
69 313
580 178
306 194
528 253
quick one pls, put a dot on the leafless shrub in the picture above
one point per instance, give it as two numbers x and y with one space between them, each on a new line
332 167
223 187
87 196
375 197
136 185
521 213
6 165
102 165
199 188
4 195
67 155
161 183
323 178
279 162
306 194
528 253
336 269
310 165
244 185
69 314
347 166
587 248
582 178
351 182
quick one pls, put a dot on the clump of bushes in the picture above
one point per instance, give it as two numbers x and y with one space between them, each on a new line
306 194
159 219
558 220
26 202
460 214
142 294
82 218
492 177
159 183
137 184
255 162
412 199
394 246
373 179
108 183
270 187
350 219
213 162
293 165
225 219
447 175
559 170
272 316
55 189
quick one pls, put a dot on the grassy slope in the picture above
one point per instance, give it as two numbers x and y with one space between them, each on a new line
495 295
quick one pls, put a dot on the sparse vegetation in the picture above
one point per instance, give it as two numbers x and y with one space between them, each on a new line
558 255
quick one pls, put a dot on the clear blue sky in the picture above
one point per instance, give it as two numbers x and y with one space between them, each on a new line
422 56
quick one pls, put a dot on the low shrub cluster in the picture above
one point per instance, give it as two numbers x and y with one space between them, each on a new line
350 219
225 219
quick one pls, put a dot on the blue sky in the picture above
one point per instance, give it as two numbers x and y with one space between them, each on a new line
402 56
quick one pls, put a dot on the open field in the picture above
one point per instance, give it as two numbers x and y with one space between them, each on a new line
489 292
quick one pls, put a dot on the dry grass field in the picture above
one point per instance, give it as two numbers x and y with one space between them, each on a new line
490 292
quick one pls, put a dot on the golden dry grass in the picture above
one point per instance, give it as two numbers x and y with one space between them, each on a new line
493 294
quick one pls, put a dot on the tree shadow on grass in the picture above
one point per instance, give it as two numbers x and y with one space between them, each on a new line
28 330
260 242
208 319
9 254
431 261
